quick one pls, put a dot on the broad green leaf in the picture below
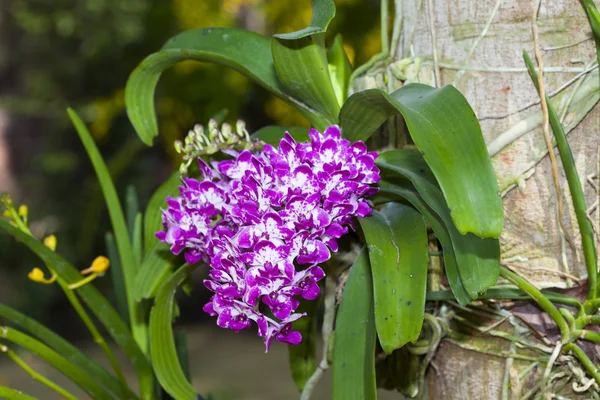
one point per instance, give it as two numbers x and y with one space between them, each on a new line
12 394
339 69
477 259
244 51
272 134
71 371
446 131
353 370
97 303
303 356
162 341
301 66
67 350
404 190
396 238
153 215
157 266
323 12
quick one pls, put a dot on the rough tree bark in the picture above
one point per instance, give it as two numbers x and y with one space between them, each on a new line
479 47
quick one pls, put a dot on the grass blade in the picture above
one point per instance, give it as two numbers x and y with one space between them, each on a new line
80 378
66 349
137 316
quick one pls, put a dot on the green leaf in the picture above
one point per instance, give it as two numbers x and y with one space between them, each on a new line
446 131
153 214
67 350
129 265
594 18
97 303
116 275
577 195
132 207
477 259
303 356
301 66
339 69
272 134
12 394
323 12
75 374
244 51
405 190
162 341
397 241
353 370
157 266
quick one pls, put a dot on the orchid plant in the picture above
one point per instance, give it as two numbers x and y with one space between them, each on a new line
277 217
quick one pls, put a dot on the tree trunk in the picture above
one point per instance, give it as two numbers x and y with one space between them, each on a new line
479 47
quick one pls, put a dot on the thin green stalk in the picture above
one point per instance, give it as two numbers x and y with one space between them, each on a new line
385 49
35 375
540 299
385 40
585 334
569 317
508 294
585 360
584 320
98 338
12 394
577 195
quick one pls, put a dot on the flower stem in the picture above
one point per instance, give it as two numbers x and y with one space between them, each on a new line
328 320
540 299
35 375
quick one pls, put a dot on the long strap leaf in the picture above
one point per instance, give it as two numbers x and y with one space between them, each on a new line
577 195
353 371
162 341
66 349
80 378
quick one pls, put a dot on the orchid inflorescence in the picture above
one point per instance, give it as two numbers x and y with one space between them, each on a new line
256 218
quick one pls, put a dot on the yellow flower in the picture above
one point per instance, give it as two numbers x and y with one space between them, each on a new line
99 266
50 242
37 275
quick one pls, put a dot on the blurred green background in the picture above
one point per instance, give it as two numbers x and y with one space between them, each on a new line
79 53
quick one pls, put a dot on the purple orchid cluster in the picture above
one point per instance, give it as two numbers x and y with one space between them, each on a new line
254 218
